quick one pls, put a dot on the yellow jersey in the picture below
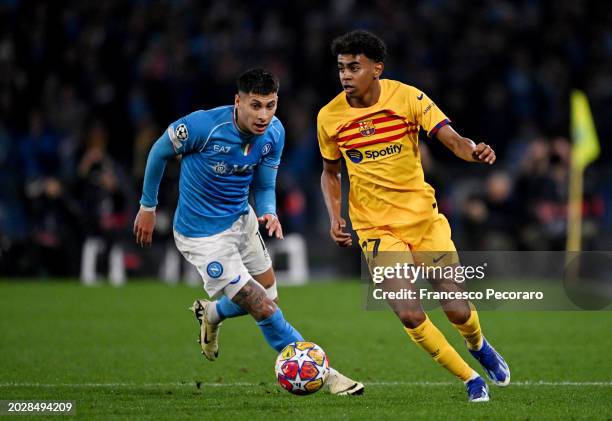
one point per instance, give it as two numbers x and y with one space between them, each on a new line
379 145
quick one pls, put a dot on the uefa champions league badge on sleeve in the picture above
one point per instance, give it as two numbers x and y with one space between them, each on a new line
214 269
178 135
181 132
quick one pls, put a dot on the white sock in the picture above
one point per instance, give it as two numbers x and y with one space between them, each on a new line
212 316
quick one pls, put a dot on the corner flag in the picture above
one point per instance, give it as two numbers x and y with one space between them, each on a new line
585 149
585 145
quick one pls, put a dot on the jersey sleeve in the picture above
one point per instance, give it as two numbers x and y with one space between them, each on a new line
426 112
328 147
190 133
154 171
264 177
263 188
273 157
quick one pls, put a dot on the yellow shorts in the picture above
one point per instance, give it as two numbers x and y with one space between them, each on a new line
434 248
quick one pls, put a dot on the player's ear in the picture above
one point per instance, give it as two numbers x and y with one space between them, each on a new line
237 100
378 69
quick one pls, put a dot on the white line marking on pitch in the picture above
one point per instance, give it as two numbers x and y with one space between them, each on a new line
527 383
518 383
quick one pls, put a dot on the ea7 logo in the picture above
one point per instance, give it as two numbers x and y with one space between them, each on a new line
221 148
389 150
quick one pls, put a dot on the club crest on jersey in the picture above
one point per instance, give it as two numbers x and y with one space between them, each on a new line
266 149
367 128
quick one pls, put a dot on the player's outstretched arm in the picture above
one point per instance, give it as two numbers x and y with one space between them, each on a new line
332 193
144 223
465 148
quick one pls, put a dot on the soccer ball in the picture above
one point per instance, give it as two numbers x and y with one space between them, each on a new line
302 368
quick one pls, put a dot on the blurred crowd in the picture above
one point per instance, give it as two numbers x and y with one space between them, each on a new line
87 87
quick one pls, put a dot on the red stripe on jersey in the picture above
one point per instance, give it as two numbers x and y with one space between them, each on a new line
382 140
390 112
381 130
355 125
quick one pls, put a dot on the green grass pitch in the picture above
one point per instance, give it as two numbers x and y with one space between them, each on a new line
131 352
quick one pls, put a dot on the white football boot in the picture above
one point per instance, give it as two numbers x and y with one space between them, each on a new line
209 332
341 385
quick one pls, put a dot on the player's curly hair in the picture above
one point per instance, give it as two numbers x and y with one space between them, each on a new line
257 81
360 42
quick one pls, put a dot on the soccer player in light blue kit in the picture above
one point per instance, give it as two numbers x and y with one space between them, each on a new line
228 152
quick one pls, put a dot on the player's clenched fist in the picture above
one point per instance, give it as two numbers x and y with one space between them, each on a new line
337 233
143 227
484 153
273 225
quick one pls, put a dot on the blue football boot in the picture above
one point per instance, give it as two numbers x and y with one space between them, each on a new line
494 365
477 390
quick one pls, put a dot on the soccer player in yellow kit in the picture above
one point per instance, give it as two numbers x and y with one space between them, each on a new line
373 126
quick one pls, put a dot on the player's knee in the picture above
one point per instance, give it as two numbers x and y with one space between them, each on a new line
459 317
266 279
411 318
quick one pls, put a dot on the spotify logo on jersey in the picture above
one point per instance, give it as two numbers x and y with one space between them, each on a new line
354 155
357 156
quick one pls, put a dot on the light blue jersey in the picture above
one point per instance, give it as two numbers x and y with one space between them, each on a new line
219 167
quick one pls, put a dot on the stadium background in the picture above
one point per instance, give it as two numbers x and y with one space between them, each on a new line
87 87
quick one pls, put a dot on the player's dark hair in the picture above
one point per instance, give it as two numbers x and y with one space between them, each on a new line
360 42
257 81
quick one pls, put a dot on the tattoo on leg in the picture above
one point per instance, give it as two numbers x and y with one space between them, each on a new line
252 298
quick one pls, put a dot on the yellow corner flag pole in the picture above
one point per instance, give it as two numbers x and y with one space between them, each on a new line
585 149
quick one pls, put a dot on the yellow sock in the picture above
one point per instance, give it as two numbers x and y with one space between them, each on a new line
470 330
431 340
